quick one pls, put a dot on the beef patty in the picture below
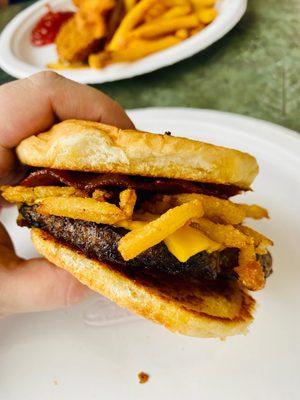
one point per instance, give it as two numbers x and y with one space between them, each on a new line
100 242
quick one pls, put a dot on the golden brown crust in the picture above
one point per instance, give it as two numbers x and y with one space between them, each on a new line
141 299
91 146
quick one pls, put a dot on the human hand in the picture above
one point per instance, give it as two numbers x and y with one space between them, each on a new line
30 106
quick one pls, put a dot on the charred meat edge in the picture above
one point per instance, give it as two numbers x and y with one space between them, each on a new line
100 242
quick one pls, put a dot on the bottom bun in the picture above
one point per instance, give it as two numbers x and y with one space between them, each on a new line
146 300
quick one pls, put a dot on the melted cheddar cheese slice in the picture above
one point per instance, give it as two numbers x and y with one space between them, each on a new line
188 241
184 243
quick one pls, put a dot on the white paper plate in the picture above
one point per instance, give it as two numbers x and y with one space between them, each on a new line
20 59
102 362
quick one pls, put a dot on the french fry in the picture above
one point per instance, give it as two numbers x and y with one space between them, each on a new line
129 4
136 49
198 29
101 195
174 3
22 194
153 29
261 242
86 209
174 12
227 235
218 210
250 272
247 255
182 34
102 59
133 18
91 10
130 21
207 15
139 240
199 4
114 19
155 12
127 202
254 211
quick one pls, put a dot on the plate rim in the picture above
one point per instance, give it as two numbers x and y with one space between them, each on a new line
20 69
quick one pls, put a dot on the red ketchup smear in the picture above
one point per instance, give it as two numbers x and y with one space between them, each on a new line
46 30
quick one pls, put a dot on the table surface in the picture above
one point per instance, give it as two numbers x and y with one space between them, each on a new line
254 70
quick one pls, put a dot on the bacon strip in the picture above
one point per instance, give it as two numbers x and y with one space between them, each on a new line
88 181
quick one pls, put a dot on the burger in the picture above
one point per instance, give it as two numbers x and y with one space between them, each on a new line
145 220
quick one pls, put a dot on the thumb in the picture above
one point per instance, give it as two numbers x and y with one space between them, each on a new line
33 285
37 285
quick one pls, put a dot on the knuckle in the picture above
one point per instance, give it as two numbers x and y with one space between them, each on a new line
44 77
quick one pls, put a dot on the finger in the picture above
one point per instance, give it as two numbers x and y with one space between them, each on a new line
11 171
33 285
33 104
5 241
37 285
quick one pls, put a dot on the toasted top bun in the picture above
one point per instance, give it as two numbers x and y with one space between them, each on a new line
91 146
177 313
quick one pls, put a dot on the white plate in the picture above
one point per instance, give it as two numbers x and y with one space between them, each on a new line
20 59
103 362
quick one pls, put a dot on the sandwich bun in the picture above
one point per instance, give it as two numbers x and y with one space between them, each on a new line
91 146
149 301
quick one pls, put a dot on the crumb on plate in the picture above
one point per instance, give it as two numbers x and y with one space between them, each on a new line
143 377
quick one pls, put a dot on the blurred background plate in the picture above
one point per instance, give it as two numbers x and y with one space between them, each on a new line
20 59
56 355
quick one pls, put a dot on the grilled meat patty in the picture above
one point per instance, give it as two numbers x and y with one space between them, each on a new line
100 242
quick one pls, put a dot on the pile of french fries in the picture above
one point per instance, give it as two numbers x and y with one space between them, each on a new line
132 29
153 25
214 222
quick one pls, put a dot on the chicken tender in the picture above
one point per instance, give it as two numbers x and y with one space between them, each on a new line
82 34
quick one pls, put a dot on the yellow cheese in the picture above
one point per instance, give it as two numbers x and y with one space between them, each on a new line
184 243
188 241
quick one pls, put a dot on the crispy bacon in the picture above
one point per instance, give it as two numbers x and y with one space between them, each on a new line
88 181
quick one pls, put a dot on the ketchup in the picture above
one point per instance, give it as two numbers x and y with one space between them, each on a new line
47 28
